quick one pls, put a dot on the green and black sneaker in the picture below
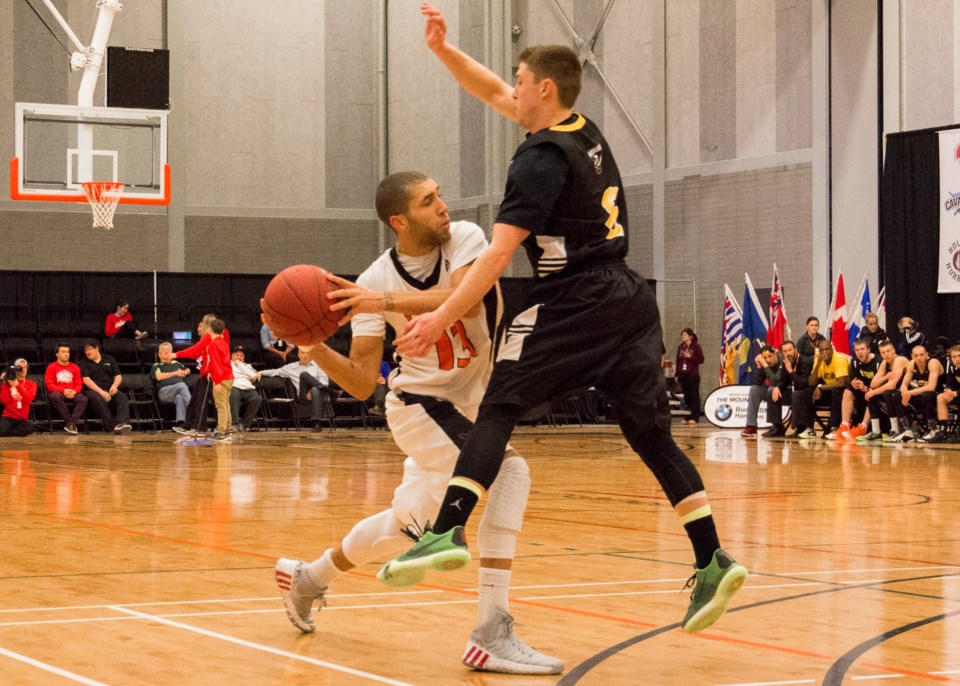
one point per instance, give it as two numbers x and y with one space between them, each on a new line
712 589
443 552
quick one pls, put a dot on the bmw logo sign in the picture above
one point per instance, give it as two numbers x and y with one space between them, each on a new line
723 412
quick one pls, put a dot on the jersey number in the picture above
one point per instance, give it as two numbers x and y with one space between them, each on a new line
609 203
445 352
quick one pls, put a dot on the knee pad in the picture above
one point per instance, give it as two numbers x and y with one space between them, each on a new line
377 537
506 503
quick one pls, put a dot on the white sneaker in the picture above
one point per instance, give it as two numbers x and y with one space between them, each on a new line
494 647
186 431
904 437
122 429
299 593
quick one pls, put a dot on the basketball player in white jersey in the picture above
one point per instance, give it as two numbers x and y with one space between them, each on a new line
430 409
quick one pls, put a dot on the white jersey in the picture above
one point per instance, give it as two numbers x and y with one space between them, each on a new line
458 366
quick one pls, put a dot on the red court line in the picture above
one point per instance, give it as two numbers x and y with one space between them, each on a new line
168 539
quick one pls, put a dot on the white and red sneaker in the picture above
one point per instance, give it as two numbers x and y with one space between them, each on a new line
493 647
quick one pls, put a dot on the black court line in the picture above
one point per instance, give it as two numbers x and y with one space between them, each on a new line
577 673
839 668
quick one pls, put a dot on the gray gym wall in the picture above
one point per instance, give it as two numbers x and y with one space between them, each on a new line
279 133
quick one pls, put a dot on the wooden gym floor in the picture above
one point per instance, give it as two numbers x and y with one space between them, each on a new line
137 560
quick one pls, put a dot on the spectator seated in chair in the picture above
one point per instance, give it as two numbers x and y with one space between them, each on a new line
872 333
121 324
168 375
16 394
766 376
276 352
245 401
65 387
794 381
310 381
102 379
912 336
831 372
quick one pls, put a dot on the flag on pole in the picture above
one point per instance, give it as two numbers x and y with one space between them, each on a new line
730 338
858 310
838 317
779 326
754 330
881 308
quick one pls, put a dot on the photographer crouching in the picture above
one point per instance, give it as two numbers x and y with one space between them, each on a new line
16 394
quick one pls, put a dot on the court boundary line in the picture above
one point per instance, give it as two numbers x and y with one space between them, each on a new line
574 676
59 671
259 646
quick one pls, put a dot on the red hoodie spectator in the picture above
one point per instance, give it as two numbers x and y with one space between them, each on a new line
16 400
198 351
121 323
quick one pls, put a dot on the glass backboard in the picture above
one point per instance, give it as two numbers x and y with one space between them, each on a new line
58 147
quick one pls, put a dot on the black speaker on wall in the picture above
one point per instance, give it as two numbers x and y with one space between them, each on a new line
138 77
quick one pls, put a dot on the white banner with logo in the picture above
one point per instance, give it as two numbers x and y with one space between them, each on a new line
726 407
949 264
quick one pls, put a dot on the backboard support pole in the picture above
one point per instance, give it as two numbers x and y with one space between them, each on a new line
88 84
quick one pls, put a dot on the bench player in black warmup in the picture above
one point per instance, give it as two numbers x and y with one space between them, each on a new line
589 320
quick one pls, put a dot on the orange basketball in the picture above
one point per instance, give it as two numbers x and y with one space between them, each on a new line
297 305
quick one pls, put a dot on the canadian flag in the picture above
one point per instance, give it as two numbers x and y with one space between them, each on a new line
839 335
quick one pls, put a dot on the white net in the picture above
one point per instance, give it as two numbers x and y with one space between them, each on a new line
103 197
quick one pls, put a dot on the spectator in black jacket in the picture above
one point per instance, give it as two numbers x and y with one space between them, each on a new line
794 381
766 376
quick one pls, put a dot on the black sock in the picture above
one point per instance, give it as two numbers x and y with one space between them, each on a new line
703 536
478 464
457 505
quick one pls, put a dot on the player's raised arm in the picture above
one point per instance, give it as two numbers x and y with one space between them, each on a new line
475 78
423 330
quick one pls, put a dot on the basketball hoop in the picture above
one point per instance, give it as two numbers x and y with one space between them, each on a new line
103 197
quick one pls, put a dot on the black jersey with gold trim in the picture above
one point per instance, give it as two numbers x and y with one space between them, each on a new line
865 371
950 378
587 218
920 378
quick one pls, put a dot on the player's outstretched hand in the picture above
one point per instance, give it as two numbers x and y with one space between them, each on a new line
420 334
435 31
358 299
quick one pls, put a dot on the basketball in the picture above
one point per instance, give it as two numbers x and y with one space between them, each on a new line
296 303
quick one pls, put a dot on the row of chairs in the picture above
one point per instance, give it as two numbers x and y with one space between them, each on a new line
280 408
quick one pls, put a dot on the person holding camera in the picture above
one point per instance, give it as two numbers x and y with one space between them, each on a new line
16 394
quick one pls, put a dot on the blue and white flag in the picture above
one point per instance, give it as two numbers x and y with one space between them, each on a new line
858 311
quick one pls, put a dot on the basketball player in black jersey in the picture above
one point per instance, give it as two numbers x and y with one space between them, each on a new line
856 406
947 399
588 321
919 391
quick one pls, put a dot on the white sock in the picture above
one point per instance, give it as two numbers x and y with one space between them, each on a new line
322 572
494 593
894 424
875 426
